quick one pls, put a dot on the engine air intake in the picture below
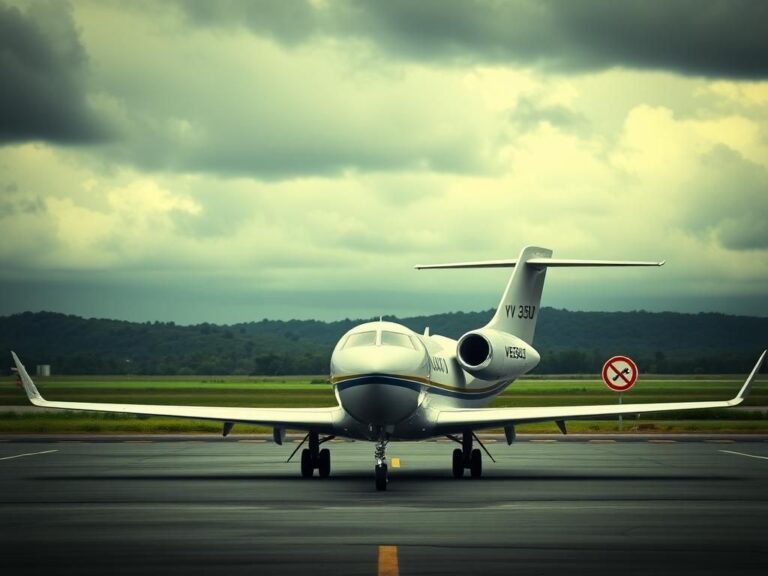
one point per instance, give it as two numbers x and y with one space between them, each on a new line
474 350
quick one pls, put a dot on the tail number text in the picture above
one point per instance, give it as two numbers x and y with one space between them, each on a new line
514 352
525 312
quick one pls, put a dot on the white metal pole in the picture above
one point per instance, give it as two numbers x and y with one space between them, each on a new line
621 419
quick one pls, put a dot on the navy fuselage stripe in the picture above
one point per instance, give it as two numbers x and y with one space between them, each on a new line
413 385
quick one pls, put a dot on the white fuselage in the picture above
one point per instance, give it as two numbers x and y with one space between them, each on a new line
388 378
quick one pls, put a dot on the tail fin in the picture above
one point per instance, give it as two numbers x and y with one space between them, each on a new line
518 309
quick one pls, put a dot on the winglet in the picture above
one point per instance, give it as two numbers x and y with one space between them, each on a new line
744 392
29 387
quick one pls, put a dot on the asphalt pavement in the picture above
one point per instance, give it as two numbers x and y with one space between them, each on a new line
143 505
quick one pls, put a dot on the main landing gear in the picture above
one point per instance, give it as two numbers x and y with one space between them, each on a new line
313 458
466 457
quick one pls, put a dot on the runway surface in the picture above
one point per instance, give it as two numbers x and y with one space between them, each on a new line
232 507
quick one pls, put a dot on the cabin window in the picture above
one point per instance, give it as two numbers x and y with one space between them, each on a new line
396 339
361 339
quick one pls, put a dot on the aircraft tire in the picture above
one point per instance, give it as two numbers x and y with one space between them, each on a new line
476 463
458 463
324 463
381 477
306 463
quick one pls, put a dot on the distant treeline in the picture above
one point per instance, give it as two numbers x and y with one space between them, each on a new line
569 342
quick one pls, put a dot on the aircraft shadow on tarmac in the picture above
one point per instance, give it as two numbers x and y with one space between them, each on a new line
397 476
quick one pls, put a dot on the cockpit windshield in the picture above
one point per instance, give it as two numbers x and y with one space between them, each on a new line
361 339
381 338
396 339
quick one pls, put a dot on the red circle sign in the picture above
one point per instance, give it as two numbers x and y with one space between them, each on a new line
620 373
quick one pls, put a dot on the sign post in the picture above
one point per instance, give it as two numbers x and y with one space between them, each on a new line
620 374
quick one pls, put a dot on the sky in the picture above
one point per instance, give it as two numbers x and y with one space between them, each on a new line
193 161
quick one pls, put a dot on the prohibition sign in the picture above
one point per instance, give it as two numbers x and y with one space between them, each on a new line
620 373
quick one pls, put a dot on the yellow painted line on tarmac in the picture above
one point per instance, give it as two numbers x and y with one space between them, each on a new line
662 441
252 441
388 565
720 441
543 441
603 441
137 441
395 462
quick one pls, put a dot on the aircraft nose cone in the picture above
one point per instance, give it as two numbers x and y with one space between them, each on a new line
379 384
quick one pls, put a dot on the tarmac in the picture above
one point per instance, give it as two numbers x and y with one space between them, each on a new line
550 505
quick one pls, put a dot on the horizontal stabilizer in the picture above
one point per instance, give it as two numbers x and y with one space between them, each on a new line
542 262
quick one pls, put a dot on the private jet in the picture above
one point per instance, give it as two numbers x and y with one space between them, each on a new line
392 383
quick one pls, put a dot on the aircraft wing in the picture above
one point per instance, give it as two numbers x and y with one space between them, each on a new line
315 419
456 420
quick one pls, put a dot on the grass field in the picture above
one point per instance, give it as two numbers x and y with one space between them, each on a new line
311 392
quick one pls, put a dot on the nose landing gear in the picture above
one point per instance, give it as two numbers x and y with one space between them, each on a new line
381 463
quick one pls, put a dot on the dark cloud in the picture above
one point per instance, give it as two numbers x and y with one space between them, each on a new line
721 38
714 38
42 67
451 29
288 21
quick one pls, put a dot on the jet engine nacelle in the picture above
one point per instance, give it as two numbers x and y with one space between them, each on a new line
489 354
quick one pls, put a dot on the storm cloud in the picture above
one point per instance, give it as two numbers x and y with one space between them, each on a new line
43 67
279 159
718 38
287 21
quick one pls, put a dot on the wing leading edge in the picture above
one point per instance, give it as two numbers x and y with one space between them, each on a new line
320 420
449 421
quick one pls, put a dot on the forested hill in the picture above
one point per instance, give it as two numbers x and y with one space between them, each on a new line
569 342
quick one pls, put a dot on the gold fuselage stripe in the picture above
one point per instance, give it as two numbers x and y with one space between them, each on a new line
339 379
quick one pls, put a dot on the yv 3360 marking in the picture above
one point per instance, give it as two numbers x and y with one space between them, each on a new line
394 384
